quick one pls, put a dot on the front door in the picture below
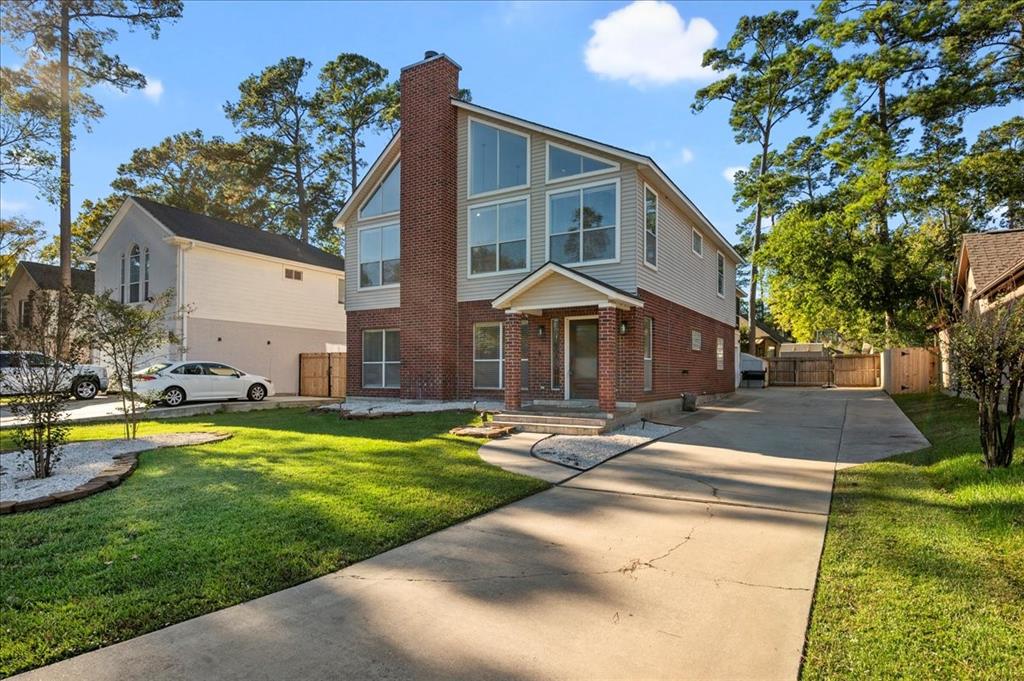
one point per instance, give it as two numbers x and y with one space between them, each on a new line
583 359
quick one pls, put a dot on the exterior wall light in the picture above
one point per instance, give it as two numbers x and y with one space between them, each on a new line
623 328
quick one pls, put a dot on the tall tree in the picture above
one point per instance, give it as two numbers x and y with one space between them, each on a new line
75 34
276 114
774 69
354 98
93 218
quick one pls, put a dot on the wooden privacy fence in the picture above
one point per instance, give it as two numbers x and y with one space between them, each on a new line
322 374
846 371
909 370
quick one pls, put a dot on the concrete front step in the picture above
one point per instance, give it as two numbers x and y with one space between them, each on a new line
553 428
568 420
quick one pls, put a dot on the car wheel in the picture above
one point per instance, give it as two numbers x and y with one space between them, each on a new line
174 396
257 392
85 389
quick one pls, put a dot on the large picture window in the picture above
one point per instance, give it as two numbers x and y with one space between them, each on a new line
583 224
497 237
488 355
650 227
381 359
648 354
564 163
386 199
498 158
379 256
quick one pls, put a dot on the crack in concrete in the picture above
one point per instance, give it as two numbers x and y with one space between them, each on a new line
777 587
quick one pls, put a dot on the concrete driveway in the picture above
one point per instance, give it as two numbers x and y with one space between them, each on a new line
694 557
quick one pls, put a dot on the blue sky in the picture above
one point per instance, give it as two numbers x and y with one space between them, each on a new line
625 77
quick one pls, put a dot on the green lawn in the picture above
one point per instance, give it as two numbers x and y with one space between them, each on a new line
291 496
922 575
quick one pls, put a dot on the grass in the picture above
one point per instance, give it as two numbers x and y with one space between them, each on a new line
291 496
922 575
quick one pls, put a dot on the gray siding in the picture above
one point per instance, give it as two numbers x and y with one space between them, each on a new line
621 274
682 276
137 227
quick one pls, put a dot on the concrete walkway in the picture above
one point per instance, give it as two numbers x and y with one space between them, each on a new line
692 557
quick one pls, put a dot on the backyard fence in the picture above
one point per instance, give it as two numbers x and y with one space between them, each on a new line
846 371
322 374
910 370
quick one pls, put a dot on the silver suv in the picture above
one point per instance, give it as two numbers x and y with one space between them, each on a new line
84 380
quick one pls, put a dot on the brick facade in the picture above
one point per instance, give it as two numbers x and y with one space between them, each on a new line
429 311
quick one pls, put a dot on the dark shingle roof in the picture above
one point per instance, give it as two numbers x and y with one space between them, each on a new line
991 254
47 277
210 230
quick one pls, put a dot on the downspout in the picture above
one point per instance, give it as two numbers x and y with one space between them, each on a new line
181 292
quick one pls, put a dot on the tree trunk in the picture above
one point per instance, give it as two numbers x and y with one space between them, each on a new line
752 299
353 164
883 215
300 189
65 145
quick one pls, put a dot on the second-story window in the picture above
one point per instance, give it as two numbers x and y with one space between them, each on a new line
379 256
563 162
386 199
134 274
721 275
145 273
698 243
583 224
295 275
650 227
497 237
498 159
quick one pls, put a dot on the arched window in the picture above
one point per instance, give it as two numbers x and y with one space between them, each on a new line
122 278
134 274
145 273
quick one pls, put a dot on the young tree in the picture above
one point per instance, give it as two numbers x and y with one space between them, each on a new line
19 239
126 335
774 69
73 35
51 339
277 115
989 363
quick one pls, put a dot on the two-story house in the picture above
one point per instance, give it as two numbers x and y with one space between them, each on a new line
491 257
252 299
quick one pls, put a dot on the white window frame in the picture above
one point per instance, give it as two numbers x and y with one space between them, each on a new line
524 357
124 278
580 188
135 248
695 238
383 216
573 178
469 158
657 227
556 338
359 250
469 226
500 360
720 275
145 273
695 340
720 354
295 276
649 354
383 362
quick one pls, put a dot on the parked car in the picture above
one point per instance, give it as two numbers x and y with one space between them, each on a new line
178 382
83 381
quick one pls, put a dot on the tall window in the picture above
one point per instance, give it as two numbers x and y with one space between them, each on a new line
386 199
524 355
381 359
650 227
497 237
134 274
498 158
583 224
24 313
719 353
341 291
721 274
565 163
648 354
379 256
121 299
145 273
556 339
488 355
698 243
695 340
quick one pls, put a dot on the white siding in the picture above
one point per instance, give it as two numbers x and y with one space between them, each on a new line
621 274
682 276
137 227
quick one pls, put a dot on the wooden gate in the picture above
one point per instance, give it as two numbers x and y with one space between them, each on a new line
322 374
910 370
857 371
845 371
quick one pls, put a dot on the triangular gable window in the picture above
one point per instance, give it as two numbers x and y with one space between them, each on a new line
386 199
564 163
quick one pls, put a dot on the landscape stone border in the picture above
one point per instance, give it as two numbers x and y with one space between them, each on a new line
122 465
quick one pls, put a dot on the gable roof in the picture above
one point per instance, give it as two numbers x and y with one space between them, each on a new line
990 256
210 230
617 296
47 277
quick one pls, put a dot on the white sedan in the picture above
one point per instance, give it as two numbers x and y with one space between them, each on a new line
178 382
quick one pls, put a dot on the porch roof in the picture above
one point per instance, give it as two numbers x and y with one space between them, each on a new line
556 286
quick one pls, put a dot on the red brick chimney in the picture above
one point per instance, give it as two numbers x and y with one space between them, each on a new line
429 310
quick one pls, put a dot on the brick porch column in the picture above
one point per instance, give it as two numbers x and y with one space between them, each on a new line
513 365
607 357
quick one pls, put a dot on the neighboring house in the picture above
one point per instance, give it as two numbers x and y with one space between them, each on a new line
492 257
254 299
29 277
768 338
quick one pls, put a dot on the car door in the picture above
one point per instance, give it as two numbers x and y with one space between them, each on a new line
225 382
192 378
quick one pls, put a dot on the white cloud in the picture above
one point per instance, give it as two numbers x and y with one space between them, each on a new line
154 89
730 173
648 43
685 155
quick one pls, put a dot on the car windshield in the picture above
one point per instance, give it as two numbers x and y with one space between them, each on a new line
156 368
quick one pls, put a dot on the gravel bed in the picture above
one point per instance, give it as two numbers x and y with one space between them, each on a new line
79 463
361 407
586 451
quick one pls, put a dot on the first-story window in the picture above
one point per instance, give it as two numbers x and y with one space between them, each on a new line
121 299
695 340
381 359
145 273
488 355
648 354
25 314
497 237
720 354
556 336
379 256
